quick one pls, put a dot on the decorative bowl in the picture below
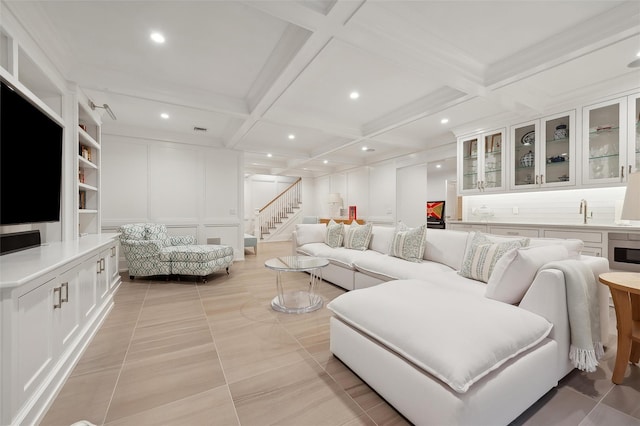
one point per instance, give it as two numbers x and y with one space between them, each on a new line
527 160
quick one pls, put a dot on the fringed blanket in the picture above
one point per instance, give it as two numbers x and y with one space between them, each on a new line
584 315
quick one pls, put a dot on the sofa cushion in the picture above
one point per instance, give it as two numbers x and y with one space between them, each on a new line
408 243
338 256
395 268
134 231
198 254
415 319
333 236
357 237
310 233
516 270
446 246
381 238
158 231
482 255
574 247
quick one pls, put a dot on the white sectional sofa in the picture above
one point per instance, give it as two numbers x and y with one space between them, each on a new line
429 341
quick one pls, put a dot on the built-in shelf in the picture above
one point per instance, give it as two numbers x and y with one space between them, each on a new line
84 186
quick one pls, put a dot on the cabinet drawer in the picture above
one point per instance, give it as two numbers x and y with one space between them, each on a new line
516 232
587 237
592 251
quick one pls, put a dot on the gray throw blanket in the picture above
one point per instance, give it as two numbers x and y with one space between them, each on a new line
584 314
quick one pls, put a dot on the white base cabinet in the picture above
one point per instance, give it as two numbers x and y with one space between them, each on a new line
49 313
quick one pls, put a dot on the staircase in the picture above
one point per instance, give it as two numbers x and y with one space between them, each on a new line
279 212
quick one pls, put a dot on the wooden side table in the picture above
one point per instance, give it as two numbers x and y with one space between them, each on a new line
625 291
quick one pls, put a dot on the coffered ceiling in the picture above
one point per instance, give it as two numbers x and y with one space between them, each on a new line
253 73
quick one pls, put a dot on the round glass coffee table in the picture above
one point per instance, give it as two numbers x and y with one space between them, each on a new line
300 301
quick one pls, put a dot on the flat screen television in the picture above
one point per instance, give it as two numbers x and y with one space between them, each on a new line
30 161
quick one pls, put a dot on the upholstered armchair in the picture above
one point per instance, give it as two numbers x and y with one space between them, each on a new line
142 245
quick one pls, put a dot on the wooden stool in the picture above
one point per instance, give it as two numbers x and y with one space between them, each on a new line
625 291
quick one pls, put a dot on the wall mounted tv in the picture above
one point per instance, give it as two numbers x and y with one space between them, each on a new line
30 161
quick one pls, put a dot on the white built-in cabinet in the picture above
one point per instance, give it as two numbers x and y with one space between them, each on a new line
611 141
51 307
542 153
481 162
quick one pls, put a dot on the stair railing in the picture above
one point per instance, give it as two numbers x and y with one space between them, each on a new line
278 209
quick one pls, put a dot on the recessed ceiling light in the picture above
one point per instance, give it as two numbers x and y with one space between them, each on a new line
354 95
325 161
638 54
367 149
292 136
157 37
364 148
269 155
438 166
444 121
164 115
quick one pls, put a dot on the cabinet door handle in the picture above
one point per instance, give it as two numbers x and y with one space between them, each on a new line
541 179
102 263
537 179
64 286
621 173
629 170
99 262
58 304
113 251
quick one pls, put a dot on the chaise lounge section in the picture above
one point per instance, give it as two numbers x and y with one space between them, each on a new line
151 251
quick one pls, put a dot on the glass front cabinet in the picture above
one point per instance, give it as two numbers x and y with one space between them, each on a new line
611 140
481 162
542 152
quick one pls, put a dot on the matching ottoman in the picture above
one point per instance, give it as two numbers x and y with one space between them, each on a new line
198 260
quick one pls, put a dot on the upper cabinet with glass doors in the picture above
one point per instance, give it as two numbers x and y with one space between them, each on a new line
610 140
481 162
542 152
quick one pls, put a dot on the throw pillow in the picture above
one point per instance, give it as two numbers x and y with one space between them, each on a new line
357 237
408 244
333 237
516 270
483 254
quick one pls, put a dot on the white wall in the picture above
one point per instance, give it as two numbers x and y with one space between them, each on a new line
411 195
194 190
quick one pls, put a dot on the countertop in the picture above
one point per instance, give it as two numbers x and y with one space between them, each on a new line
24 266
572 226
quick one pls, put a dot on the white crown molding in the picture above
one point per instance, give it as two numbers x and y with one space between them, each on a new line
612 26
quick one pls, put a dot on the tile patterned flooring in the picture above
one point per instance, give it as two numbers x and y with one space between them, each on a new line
185 353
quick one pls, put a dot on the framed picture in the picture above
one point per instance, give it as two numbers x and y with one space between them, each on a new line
435 211
496 142
352 213
473 148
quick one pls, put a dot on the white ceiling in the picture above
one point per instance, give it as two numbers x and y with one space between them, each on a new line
252 73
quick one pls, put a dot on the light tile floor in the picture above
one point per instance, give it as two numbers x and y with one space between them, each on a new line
187 353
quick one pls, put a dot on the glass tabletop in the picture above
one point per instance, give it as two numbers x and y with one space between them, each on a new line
295 263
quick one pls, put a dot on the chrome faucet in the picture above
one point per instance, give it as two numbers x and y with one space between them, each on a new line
583 210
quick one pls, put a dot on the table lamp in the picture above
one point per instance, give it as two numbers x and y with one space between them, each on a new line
334 200
631 206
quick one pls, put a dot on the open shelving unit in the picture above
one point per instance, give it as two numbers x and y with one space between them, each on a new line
88 161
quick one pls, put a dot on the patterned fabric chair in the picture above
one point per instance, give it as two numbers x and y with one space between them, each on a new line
150 250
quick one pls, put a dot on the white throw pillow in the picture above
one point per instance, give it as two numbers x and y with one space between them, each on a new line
408 244
381 238
516 270
310 233
483 254
357 237
333 237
